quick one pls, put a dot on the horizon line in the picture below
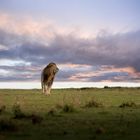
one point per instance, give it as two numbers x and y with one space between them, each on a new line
66 85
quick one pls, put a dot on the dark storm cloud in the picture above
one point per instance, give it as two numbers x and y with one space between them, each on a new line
118 50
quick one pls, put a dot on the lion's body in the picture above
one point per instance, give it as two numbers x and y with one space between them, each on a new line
47 77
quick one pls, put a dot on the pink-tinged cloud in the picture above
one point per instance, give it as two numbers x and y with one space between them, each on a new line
27 27
43 30
105 72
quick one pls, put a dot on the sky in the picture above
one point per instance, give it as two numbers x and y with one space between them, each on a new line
89 40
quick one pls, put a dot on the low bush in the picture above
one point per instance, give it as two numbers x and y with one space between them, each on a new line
52 112
18 114
93 103
128 104
106 87
68 108
100 130
36 119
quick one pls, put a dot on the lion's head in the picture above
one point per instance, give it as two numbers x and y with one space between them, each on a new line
52 68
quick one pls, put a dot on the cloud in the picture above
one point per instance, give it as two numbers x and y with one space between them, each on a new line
107 56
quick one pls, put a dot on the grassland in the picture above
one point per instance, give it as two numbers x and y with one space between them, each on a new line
70 114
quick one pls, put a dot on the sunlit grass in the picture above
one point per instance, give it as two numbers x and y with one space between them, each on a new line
86 113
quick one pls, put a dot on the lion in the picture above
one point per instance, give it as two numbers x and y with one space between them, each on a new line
47 77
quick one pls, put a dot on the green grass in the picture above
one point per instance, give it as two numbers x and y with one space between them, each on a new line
70 114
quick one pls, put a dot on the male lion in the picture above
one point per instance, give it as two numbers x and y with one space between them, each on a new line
47 77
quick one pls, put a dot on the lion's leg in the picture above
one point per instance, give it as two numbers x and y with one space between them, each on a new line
49 89
50 86
43 88
42 82
46 90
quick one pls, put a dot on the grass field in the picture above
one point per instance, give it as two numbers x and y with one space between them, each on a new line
70 114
